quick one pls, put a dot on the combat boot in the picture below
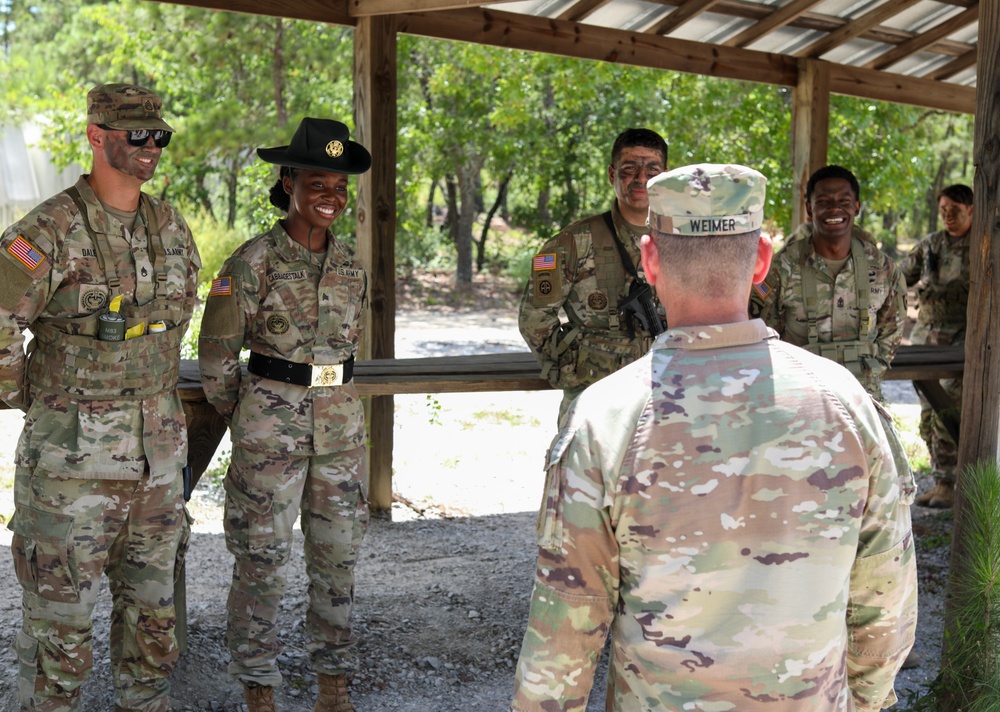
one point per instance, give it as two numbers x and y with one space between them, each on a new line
258 698
940 497
333 695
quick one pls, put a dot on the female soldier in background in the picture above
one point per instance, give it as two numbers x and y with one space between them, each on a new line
294 296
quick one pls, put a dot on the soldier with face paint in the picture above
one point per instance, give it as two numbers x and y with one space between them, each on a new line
97 484
295 297
570 313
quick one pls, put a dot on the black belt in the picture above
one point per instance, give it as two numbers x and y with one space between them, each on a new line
301 374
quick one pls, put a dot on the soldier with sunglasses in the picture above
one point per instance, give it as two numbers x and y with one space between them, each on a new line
104 278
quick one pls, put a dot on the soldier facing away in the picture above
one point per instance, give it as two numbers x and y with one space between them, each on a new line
97 483
833 292
939 268
571 313
726 506
295 296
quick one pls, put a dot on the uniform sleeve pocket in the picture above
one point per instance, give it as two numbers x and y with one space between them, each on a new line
42 551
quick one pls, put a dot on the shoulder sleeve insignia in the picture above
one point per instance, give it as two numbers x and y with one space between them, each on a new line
544 261
221 287
25 253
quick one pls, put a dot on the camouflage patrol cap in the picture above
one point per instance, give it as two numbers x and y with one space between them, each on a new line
706 199
125 106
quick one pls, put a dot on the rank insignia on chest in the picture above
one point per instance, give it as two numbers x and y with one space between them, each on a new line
25 253
544 261
221 287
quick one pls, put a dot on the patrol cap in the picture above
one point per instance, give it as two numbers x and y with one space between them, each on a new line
125 106
706 199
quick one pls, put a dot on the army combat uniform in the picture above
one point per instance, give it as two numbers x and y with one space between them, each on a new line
939 267
857 324
97 480
569 312
689 497
294 445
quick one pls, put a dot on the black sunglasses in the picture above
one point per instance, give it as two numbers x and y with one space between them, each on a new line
138 137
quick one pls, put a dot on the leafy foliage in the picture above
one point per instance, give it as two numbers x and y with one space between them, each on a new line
527 135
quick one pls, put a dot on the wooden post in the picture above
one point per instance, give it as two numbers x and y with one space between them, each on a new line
810 130
980 421
375 118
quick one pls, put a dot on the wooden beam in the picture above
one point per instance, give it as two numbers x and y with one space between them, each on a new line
313 10
856 28
810 130
535 34
955 66
884 86
688 11
775 20
925 39
375 88
581 10
371 8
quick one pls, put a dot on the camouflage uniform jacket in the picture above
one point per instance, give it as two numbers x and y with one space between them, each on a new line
727 508
568 319
939 267
277 299
96 409
836 321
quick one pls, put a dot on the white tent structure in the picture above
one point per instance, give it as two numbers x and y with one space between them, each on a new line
27 173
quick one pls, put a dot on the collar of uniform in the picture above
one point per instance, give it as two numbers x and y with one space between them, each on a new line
291 251
96 214
715 336
623 225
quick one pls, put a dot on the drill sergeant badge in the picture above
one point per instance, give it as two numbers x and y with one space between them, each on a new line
277 324
597 301
93 299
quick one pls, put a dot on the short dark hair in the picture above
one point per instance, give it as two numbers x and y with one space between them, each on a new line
278 197
647 138
832 172
959 193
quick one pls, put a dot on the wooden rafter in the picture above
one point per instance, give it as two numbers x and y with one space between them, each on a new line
775 20
581 10
925 39
856 28
688 11
370 8
955 66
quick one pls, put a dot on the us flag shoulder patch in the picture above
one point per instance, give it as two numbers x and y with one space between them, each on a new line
221 287
762 289
544 261
25 253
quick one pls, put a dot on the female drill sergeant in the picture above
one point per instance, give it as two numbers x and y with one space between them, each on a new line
294 296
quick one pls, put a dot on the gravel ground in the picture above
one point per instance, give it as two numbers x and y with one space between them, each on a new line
442 585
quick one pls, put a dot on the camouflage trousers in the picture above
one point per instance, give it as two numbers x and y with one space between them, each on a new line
941 446
67 532
264 494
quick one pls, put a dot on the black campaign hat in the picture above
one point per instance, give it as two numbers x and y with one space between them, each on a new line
320 145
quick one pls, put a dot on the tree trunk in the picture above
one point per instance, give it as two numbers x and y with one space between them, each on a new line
451 219
278 73
467 215
500 200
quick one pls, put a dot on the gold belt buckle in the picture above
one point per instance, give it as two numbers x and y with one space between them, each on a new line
331 375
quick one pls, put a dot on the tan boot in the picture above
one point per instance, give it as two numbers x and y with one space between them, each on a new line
333 695
259 698
940 497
